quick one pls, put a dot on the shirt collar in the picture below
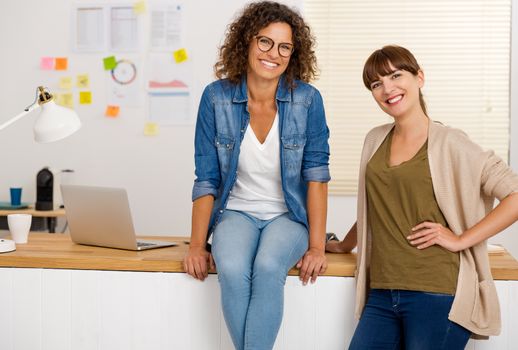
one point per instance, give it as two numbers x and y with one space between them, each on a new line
283 91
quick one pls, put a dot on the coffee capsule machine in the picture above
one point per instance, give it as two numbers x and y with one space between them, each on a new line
48 192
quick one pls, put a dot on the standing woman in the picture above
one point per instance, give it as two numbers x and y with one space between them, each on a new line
425 211
261 156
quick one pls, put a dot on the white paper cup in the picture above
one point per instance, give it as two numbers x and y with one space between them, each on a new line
19 226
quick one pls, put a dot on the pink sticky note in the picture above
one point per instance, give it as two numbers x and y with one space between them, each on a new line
47 63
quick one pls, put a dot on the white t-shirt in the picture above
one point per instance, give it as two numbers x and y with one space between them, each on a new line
258 188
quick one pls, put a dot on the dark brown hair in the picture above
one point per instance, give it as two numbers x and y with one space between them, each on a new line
378 65
233 54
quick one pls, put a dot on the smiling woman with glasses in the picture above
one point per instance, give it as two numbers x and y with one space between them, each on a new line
261 156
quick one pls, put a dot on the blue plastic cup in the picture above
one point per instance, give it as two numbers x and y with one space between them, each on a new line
16 195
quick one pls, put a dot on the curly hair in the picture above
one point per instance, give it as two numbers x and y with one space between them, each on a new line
233 54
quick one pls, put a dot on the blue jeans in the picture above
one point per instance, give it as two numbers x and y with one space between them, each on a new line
410 320
253 257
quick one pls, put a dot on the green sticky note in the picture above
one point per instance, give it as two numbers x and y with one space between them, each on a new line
109 62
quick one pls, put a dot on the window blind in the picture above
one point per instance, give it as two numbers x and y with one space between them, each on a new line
463 47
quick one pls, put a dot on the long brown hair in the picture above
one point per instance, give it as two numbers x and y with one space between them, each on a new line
233 54
378 65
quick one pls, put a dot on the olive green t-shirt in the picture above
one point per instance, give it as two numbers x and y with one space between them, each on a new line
398 198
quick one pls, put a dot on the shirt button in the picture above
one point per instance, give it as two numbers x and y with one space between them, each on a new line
221 211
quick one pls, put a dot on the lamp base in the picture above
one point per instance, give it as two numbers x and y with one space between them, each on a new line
7 245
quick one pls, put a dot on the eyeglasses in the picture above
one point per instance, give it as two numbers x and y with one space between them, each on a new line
265 44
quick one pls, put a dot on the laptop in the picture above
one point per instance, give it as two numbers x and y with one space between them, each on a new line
101 216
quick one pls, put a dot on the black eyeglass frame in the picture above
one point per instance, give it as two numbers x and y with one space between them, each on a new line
259 37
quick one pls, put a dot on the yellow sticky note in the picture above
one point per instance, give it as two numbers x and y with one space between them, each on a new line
68 99
139 7
65 99
61 63
180 55
85 97
83 81
112 111
65 83
151 129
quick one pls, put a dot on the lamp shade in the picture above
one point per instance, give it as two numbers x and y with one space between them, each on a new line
55 123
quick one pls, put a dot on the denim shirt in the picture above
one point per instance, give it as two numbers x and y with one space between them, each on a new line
221 124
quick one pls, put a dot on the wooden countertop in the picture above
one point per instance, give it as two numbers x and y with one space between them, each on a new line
57 251
34 212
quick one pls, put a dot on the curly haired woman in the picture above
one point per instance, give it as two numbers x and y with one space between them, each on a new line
261 156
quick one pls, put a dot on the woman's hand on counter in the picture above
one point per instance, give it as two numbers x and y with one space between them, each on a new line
312 264
197 262
336 247
345 245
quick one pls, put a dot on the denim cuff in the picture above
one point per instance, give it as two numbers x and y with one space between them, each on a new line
203 188
317 174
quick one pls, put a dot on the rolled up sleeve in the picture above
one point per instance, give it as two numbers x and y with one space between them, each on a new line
203 188
498 179
316 174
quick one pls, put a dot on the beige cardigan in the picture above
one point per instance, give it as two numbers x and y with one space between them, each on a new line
466 180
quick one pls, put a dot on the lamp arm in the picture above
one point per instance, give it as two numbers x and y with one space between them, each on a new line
26 111
42 96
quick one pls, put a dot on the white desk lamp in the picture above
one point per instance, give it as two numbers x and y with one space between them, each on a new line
53 124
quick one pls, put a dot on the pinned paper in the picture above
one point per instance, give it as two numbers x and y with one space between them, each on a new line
139 7
65 83
109 62
83 81
65 99
47 63
151 129
112 111
61 63
85 97
180 55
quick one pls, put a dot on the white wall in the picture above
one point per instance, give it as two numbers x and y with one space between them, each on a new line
510 237
156 171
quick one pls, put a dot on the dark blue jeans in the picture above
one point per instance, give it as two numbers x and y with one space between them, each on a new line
401 319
